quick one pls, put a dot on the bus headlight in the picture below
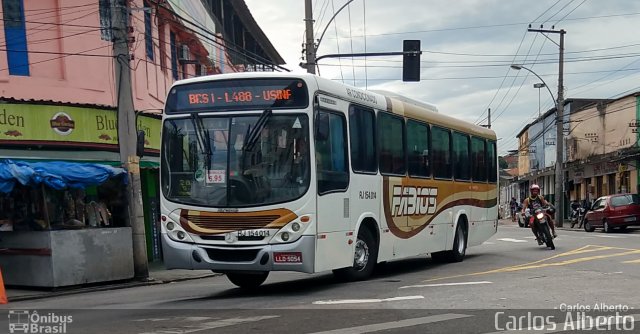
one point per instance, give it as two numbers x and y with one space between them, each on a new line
292 231
175 231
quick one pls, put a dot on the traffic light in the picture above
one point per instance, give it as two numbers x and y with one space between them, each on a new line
411 60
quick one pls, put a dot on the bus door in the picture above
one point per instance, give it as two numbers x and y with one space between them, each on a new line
333 209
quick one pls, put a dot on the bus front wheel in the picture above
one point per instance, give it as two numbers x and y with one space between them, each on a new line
364 260
248 280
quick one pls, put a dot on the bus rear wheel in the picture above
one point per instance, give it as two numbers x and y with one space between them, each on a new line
364 259
248 280
459 248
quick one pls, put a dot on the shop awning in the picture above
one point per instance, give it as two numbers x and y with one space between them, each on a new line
55 174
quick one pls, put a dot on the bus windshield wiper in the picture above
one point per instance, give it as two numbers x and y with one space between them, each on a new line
202 135
254 134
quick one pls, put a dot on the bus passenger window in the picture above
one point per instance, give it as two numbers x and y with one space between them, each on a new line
461 157
363 141
441 146
418 148
479 159
391 141
493 164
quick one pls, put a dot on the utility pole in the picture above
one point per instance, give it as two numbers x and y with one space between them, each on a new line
127 134
489 119
310 46
559 189
560 134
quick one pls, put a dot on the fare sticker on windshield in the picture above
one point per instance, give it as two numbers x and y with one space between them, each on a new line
199 175
216 176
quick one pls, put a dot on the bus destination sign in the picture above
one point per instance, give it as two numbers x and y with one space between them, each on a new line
228 95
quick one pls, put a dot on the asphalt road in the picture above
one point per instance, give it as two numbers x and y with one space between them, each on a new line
508 276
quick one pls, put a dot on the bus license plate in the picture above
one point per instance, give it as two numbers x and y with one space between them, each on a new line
254 233
289 257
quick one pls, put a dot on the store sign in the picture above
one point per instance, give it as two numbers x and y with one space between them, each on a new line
578 176
51 125
605 168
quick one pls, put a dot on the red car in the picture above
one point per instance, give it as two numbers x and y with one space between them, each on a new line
613 211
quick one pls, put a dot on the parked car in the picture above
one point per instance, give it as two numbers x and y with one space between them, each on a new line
613 211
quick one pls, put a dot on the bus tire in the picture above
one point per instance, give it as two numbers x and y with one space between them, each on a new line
459 248
248 280
364 259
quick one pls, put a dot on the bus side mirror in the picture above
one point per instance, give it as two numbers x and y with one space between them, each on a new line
140 143
322 126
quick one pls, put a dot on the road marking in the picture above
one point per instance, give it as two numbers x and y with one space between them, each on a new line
632 261
444 284
580 324
539 263
512 240
192 328
396 324
609 236
365 301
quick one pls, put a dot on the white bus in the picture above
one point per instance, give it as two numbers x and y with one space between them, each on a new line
269 172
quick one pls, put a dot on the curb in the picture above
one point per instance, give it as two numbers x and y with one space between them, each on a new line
125 285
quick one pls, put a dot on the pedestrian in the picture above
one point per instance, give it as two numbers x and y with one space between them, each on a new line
514 207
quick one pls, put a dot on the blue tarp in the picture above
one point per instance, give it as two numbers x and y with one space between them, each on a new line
55 174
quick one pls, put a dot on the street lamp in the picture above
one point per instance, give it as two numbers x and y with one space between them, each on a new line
544 84
559 135
539 85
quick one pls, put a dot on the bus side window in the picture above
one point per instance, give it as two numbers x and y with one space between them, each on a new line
362 130
441 146
391 143
478 159
493 164
418 148
331 156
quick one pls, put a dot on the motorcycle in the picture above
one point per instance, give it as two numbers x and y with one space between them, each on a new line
578 217
541 218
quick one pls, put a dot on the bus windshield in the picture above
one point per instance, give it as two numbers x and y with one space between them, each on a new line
235 161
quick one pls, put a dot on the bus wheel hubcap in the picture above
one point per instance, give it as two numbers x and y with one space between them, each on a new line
361 256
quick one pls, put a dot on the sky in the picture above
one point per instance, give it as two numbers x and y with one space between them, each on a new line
467 48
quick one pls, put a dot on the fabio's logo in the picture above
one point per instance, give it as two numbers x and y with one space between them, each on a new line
62 123
410 201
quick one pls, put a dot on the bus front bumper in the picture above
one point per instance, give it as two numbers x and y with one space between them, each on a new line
221 258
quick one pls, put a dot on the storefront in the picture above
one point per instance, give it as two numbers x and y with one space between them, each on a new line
43 225
590 181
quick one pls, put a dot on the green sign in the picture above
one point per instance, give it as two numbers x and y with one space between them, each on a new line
55 125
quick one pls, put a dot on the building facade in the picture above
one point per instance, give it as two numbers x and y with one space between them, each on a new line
537 148
602 149
59 90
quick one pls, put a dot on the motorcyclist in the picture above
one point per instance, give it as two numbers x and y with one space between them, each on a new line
533 202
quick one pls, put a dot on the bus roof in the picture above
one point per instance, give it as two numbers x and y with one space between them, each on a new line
393 102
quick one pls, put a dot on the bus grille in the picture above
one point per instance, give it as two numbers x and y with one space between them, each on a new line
231 223
232 255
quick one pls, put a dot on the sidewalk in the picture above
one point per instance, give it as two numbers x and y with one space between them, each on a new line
157 275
